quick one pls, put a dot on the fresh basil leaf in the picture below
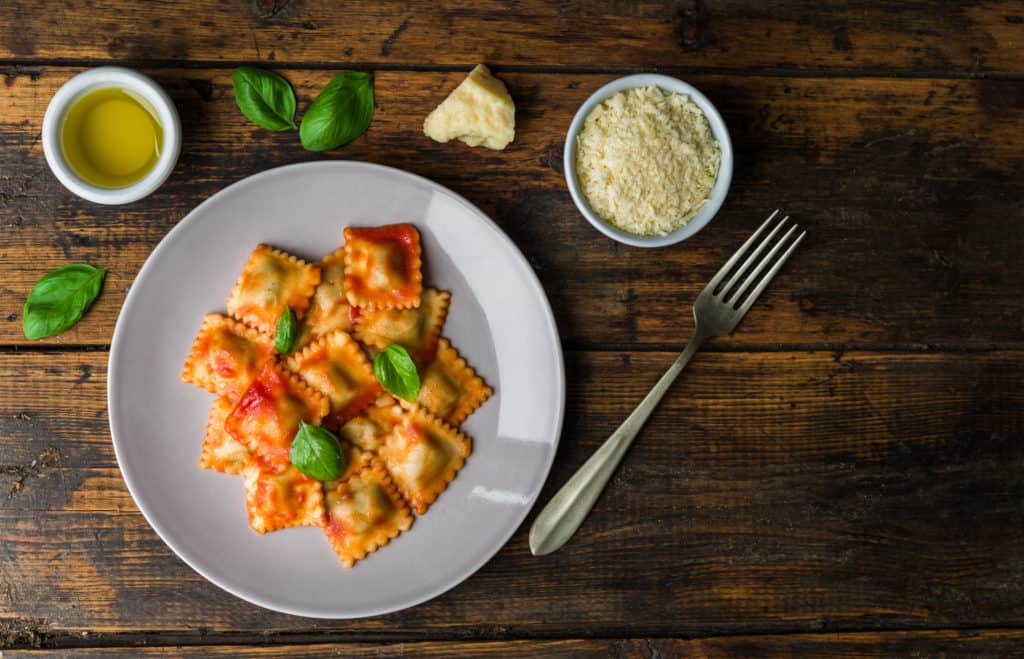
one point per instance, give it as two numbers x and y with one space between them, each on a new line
287 332
265 98
397 373
316 453
341 113
59 299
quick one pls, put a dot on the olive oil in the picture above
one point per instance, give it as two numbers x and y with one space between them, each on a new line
111 138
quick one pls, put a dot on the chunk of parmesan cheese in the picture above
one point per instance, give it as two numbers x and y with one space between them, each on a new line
479 112
646 160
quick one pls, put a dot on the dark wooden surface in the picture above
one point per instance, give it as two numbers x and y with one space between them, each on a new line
973 643
844 476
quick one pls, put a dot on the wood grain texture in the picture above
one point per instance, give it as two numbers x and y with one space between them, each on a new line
971 643
966 38
909 190
842 501
771 492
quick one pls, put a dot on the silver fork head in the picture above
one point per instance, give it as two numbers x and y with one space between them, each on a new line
723 302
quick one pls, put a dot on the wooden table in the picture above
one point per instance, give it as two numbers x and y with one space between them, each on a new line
844 476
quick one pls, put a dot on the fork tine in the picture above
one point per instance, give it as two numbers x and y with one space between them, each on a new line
768 277
752 277
736 257
742 270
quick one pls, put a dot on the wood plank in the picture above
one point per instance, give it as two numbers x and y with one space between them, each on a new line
908 188
798 34
771 492
872 644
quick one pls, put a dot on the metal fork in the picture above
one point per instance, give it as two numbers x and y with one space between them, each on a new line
717 310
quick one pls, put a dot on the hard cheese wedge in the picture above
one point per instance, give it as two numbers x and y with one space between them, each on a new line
479 112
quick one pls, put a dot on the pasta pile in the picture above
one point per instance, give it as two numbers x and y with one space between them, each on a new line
358 300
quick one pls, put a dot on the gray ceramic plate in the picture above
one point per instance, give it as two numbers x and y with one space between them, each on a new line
500 321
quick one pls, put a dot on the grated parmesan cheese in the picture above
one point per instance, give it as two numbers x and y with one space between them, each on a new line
646 160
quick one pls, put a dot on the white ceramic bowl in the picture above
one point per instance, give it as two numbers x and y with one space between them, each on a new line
718 129
100 78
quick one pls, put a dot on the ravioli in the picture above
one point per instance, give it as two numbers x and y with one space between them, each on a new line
415 329
329 310
267 417
226 356
364 513
398 456
279 499
336 366
369 429
423 454
449 388
222 452
383 267
272 281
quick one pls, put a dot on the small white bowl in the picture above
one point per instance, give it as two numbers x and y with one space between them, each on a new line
718 129
101 78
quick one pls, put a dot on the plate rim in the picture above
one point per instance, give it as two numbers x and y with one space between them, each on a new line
112 410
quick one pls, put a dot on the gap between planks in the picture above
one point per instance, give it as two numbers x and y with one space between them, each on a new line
767 72
43 640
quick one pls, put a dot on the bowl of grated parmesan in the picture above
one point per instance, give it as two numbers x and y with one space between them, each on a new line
648 160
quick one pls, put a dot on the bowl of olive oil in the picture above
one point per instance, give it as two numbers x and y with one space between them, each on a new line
111 135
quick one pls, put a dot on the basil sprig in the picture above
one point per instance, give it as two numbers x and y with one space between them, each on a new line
342 112
287 332
59 299
397 373
265 98
316 453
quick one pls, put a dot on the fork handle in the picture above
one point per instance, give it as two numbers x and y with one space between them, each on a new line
571 505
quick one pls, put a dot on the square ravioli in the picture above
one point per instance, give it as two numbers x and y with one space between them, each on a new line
423 454
268 414
416 329
372 425
337 367
329 310
383 268
222 452
449 388
278 499
271 281
364 512
226 356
